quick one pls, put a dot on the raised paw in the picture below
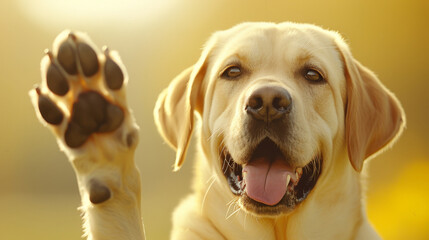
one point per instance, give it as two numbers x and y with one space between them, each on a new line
82 99
82 91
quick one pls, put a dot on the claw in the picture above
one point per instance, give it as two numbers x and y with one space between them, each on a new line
105 50
37 88
72 36
50 55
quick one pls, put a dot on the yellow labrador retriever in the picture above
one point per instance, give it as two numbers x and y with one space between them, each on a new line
286 118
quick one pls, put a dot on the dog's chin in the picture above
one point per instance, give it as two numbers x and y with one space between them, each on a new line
299 184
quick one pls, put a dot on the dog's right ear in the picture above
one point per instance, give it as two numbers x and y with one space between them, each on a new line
174 109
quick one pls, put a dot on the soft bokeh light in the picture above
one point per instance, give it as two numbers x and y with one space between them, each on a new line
405 213
157 40
95 12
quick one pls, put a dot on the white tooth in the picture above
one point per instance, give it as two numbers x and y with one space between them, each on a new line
297 175
244 175
287 180
299 171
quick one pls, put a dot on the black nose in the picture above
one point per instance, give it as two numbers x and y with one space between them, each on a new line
269 103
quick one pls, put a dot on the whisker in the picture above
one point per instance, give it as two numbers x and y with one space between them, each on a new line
227 210
224 168
216 133
208 189
313 168
233 213
229 164
211 178
230 203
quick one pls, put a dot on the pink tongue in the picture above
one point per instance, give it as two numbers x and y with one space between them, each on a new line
266 181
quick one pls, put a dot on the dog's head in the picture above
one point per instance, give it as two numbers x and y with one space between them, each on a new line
281 105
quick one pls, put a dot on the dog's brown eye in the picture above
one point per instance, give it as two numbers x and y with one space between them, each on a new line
231 72
313 76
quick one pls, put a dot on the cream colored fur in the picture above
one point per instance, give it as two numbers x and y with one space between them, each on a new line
105 158
352 117
349 119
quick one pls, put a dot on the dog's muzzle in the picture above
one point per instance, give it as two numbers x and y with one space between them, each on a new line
269 181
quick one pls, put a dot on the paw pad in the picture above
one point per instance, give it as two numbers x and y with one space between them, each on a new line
67 57
98 193
55 80
88 59
113 74
92 113
49 111
73 74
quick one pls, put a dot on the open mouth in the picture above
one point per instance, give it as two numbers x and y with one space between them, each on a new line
266 183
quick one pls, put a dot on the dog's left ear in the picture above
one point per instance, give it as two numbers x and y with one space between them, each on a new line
374 116
175 107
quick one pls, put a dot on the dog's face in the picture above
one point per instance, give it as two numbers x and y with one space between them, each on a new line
279 105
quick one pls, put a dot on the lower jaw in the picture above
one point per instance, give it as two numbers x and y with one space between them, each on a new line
255 208
287 204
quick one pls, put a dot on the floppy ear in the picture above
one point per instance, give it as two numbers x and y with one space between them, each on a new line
374 116
174 110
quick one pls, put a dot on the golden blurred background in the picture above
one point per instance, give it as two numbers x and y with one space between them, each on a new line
158 39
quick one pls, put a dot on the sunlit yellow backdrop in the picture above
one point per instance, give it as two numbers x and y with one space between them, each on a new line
157 39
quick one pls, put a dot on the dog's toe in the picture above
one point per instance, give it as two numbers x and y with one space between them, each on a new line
88 59
67 56
56 81
49 110
113 74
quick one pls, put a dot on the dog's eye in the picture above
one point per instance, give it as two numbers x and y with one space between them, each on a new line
231 72
313 76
